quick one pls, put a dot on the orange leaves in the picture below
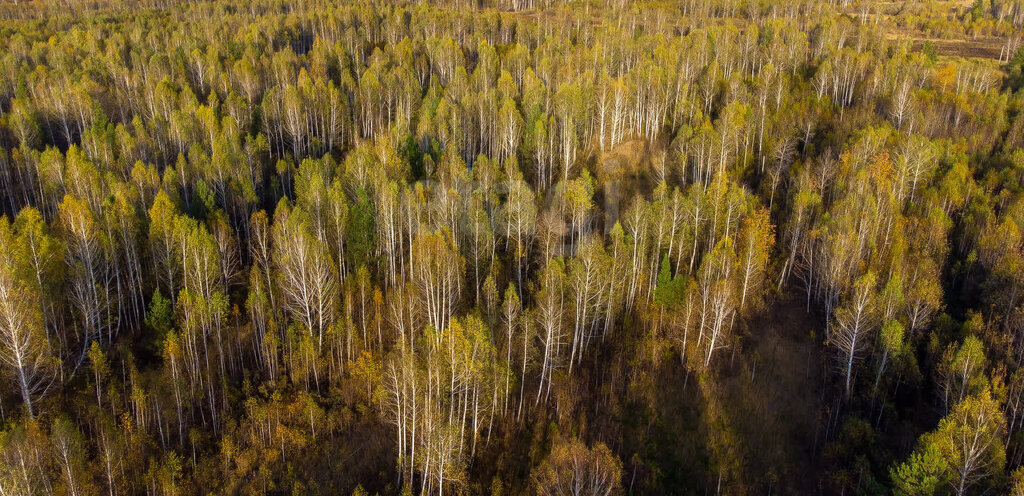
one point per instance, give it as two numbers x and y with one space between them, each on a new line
882 170
367 370
574 468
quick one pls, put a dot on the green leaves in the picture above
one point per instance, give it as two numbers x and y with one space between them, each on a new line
964 451
670 291
923 474
160 316
361 231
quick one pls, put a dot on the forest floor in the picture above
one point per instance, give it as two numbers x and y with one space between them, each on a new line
775 396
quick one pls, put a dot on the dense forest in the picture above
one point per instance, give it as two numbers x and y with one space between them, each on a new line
584 247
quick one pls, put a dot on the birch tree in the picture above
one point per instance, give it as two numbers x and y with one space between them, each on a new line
23 347
854 326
